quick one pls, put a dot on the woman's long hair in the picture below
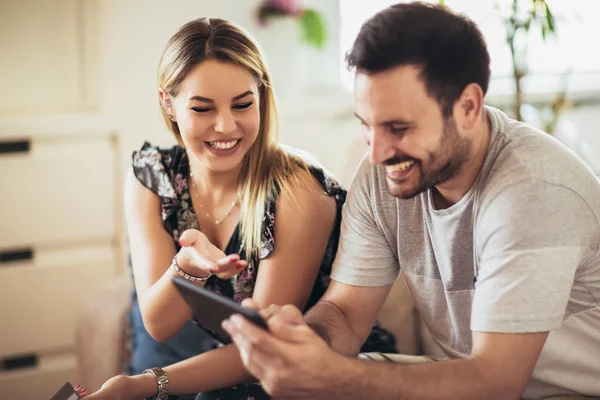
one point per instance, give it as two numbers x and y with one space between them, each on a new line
267 169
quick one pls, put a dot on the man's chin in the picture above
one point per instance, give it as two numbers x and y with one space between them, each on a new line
403 190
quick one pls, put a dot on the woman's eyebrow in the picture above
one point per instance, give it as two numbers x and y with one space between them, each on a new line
208 100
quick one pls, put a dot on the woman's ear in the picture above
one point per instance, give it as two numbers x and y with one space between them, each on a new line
165 100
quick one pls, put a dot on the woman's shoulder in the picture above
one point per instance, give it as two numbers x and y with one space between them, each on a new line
158 168
321 181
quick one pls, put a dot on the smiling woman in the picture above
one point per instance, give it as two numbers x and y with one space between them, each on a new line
228 209
219 125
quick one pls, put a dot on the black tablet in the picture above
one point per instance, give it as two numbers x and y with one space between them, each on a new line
211 308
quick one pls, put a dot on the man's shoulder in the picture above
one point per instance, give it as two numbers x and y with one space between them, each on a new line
522 155
368 180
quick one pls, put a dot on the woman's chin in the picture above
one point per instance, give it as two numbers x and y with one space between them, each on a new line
222 164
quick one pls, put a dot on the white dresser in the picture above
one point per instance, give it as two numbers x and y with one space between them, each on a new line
60 239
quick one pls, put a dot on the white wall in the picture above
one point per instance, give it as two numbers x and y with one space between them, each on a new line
133 33
319 120
100 56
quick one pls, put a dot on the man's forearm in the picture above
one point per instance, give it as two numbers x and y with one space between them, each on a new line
448 380
329 322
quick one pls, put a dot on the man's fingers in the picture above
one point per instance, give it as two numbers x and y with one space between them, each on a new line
293 333
250 336
257 348
270 311
287 323
250 303
290 314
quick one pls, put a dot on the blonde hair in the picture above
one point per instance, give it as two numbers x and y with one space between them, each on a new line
267 169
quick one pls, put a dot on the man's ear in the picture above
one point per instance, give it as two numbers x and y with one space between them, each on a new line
469 106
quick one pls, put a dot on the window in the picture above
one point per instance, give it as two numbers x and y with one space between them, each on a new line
567 59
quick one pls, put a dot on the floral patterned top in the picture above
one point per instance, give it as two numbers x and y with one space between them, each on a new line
166 171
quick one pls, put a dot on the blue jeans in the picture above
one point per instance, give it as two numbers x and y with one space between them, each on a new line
146 352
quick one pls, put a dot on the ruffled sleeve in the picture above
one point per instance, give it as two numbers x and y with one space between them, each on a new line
149 168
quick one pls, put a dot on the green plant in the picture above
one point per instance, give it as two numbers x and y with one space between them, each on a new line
521 18
312 23
313 28
518 24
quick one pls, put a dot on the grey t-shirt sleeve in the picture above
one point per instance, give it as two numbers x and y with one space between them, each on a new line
531 238
364 256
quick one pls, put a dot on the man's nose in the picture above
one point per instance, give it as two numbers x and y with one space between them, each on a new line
380 148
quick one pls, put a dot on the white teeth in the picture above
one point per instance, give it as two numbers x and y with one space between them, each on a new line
223 145
400 166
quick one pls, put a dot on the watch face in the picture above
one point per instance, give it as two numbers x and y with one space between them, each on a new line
65 393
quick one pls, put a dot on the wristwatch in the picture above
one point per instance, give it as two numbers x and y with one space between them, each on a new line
161 381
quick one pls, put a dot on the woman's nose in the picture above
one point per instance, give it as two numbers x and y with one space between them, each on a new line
225 123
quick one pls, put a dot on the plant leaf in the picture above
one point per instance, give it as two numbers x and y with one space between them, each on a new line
313 28
550 19
544 31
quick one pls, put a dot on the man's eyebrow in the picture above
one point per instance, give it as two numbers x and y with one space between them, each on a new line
208 100
397 121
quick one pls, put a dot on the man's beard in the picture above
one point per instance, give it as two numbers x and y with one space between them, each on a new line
443 165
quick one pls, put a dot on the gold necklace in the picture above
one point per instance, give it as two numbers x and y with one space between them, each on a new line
207 215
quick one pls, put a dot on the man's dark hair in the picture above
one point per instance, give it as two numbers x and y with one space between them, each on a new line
447 46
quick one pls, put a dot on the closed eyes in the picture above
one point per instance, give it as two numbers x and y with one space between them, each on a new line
398 129
203 110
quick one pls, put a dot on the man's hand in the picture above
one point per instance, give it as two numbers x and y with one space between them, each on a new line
291 360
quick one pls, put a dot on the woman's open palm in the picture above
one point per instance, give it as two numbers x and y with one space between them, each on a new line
199 257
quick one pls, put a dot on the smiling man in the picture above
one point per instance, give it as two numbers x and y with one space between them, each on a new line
494 224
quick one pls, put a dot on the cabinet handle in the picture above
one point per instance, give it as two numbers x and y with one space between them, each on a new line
27 361
15 146
16 255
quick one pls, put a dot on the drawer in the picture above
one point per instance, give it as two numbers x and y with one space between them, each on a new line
57 190
39 382
39 299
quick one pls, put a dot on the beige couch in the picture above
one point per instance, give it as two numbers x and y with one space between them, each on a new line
101 329
101 334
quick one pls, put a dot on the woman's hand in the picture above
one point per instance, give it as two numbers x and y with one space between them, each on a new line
199 257
116 388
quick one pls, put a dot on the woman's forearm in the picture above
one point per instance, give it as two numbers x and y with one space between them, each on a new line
163 309
215 369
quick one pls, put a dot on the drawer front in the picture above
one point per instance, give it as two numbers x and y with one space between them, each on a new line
57 191
40 382
39 299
